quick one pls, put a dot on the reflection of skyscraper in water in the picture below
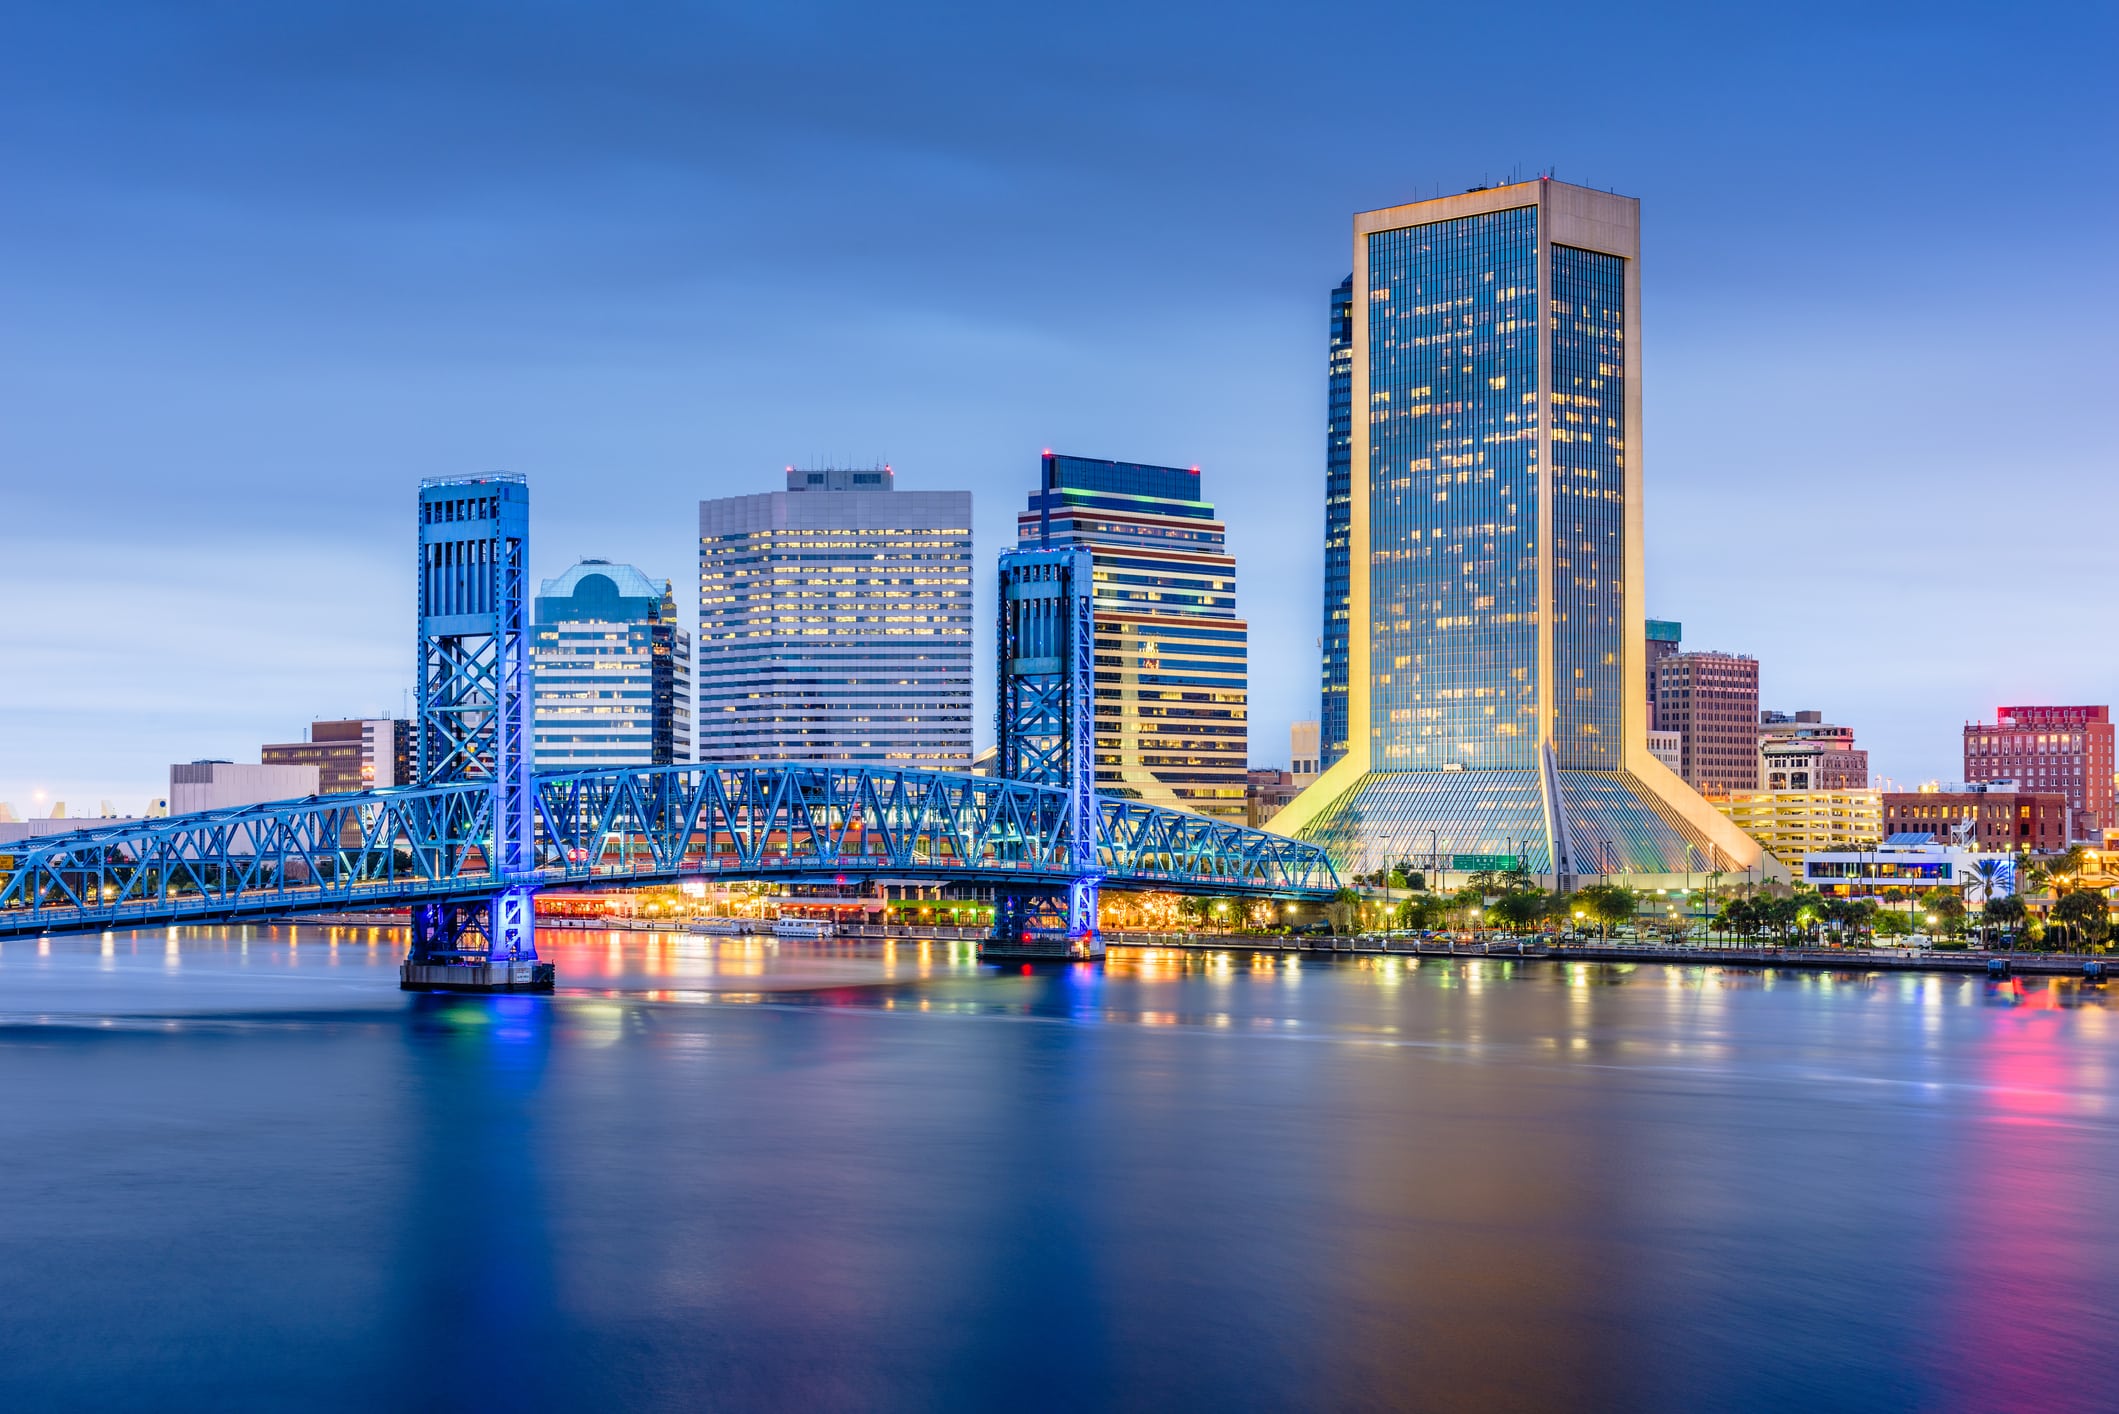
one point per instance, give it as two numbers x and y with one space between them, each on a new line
1495 699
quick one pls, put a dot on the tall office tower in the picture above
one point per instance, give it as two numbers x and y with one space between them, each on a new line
835 623
1338 522
1171 685
613 671
2068 749
1495 700
361 754
1663 639
1711 701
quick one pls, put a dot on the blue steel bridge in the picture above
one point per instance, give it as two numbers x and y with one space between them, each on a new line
418 845
469 847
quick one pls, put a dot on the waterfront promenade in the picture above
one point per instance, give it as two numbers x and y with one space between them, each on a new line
1690 955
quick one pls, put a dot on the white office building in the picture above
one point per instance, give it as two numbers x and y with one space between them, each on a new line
835 623
613 671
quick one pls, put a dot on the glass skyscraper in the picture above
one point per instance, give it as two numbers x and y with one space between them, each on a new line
1493 696
1171 687
613 671
1338 521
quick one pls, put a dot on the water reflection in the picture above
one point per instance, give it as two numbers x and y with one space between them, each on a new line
766 1174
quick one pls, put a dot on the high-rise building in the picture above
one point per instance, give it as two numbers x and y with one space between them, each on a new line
613 671
2068 749
1711 701
1496 649
835 623
359 754
1664 637
1801 751
1338 521
1172 690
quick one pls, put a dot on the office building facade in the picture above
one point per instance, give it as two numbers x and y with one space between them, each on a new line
1664 637
1711 701
1335 642
1802 751
1991 816
2068 749
835 623
612 669
1172 685
1496 676
358 754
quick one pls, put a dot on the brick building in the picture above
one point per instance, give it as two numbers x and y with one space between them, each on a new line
2065 749
2001 820
1711 699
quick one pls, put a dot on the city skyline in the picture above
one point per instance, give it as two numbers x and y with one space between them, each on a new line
291 355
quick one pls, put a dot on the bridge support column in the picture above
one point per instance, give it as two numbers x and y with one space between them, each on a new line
1048 926
489 946
474 724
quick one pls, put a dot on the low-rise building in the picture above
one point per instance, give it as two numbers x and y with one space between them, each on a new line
1906 865
223 785
1266 793
1990 815
1793 824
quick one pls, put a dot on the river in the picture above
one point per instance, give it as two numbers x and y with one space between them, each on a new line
243 1171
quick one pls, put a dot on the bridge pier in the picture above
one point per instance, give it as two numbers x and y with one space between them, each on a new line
1047 926
477 947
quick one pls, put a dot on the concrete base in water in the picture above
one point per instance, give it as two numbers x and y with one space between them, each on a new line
1036 949
476 976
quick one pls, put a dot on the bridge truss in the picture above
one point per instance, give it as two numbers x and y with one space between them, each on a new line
434 845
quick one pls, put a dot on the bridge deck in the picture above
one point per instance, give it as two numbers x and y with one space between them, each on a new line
599 828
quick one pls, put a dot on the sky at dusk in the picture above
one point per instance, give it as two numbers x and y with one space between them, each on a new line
263 267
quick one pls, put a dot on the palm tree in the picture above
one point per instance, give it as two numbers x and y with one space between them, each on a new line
2008 912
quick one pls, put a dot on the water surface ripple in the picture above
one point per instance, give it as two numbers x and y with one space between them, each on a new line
244 1171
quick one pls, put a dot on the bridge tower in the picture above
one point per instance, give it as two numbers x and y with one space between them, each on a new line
474 724
1047 737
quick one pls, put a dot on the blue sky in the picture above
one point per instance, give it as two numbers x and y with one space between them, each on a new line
264 267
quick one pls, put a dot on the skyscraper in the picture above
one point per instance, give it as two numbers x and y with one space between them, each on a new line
1338 521
1171 683
835 623
613 671
1496 699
